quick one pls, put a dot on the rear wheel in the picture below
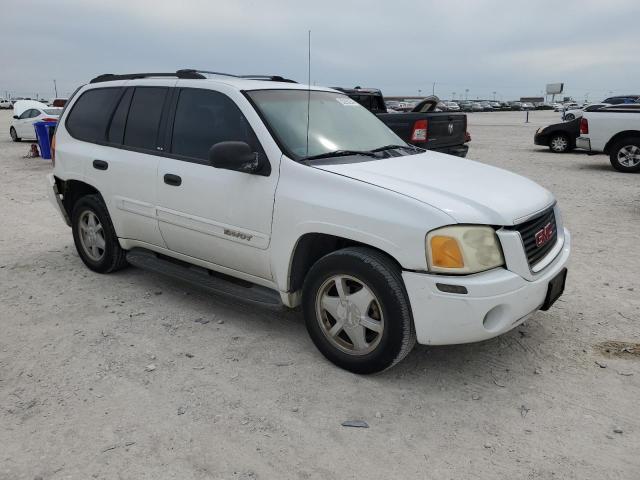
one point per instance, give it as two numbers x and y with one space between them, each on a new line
559 143
570 116
95 237
624 155
357 311
14 134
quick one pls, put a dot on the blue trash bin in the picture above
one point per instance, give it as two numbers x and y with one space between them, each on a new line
44 133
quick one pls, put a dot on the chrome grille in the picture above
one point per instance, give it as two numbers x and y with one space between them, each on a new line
528 231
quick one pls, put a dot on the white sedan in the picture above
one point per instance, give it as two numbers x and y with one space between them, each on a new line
574 113
28 112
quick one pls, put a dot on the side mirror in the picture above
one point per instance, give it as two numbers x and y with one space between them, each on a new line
16 117
239 157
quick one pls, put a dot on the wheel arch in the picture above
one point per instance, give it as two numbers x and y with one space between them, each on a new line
312 246
72 190
618 136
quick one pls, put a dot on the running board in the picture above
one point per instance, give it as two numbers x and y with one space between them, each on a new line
203 278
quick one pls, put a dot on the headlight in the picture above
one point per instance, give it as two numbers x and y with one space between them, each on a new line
463 249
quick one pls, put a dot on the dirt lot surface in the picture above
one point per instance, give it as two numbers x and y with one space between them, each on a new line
135 376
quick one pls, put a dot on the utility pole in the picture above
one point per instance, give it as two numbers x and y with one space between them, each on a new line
55 87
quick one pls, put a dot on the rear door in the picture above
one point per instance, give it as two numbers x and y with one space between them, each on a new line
220 216
117 129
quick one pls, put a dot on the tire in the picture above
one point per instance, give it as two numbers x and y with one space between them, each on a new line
559 143
569 117
370 281
14 134
97 244
624 155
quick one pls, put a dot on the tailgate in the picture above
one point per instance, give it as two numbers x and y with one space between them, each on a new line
444 129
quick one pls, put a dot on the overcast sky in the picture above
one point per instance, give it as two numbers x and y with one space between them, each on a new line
511 47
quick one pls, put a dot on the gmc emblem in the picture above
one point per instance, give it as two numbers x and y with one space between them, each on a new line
544 235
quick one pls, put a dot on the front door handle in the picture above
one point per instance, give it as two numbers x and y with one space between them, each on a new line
100 165
171 179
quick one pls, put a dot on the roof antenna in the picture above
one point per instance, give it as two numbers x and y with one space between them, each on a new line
308 89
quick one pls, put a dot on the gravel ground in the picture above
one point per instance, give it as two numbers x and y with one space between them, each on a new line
135 376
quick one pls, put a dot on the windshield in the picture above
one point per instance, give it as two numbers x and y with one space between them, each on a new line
336 122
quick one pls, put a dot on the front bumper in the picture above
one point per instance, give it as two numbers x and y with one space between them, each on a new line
54 198
583 143
496 301
541 139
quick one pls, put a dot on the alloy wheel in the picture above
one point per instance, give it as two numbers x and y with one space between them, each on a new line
349 314
91 235
629 156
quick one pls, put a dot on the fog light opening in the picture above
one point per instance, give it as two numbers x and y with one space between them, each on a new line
496 319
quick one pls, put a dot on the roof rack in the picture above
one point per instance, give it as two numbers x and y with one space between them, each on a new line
107 77
187 73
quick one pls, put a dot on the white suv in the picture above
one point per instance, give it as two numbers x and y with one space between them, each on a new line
281 193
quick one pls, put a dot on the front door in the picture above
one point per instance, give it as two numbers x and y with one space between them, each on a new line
220 216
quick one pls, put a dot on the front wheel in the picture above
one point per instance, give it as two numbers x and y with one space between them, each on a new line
625 155
570 116
357 311
559 143
14 134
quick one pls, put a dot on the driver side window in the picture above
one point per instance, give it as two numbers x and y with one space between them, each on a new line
204 118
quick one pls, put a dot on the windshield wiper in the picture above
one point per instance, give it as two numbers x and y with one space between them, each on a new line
341 153
393 147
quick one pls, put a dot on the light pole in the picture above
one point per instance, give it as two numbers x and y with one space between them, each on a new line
494 96
466 94
419 92
55 87
453 95
433 89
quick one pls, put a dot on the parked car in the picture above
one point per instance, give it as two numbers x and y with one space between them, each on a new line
527 106
557 107
516 105
496 105
622 99
5 104
465 106
486 106
577 112
379 242
424 126
59 102
452 106
614 131
477 107
28 112
559 137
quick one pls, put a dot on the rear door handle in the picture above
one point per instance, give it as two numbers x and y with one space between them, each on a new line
171 179
100 165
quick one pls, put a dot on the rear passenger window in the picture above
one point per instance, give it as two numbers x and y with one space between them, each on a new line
204 118
90 115
116 129
142 124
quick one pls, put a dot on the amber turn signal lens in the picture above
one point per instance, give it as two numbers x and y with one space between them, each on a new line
445 252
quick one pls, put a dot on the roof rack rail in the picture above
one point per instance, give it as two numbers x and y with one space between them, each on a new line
107 77
186 73
272 78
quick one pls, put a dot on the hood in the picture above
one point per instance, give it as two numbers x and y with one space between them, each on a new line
21 105
468 191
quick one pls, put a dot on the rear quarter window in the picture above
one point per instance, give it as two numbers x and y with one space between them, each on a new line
90 115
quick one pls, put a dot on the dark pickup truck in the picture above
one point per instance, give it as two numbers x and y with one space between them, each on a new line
444 132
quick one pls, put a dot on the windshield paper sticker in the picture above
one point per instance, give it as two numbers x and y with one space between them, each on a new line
346 101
